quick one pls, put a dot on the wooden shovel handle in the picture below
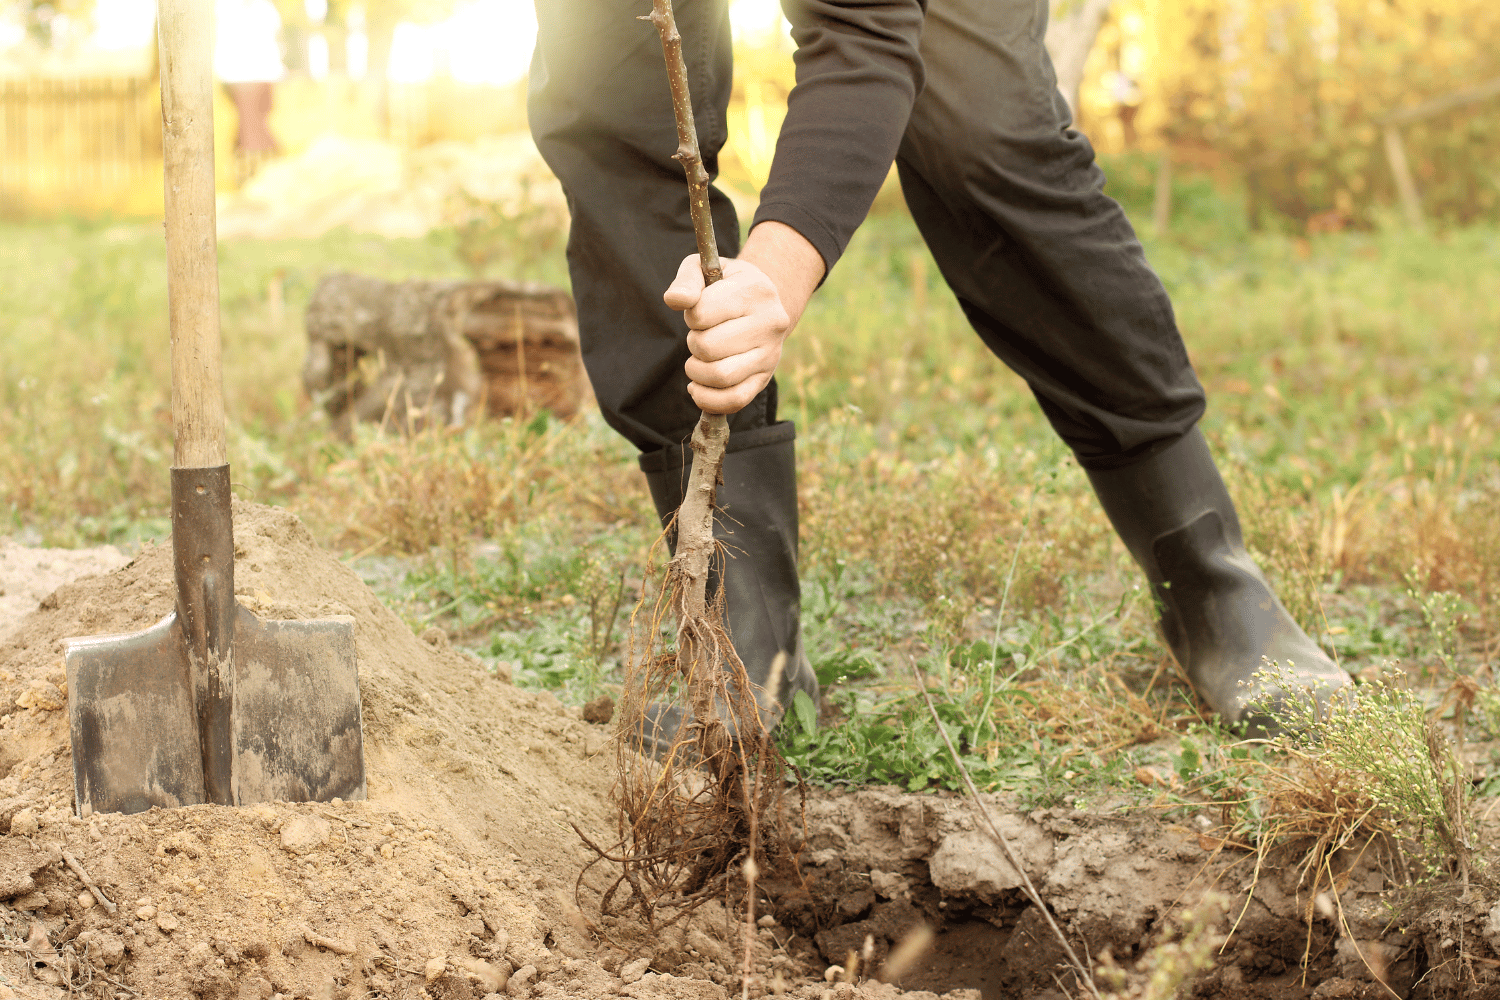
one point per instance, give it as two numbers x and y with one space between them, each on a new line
185 33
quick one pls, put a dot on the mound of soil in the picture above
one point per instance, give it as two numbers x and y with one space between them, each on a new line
28 575
455 878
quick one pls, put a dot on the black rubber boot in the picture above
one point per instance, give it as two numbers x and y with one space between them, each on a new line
1218 613
757 521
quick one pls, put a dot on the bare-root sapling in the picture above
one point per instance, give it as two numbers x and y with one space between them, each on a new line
699 803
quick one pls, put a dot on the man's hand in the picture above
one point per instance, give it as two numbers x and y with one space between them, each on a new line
736 326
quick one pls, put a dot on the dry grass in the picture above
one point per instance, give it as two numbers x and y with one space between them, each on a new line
1347 403
1425 513
1096 709
945 530
1377 771
441 488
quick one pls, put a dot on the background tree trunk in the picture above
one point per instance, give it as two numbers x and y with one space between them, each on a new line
380 29
1071 32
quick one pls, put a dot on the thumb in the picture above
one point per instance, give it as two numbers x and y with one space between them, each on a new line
687 288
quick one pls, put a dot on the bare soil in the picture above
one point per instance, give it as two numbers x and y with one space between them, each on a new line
456 878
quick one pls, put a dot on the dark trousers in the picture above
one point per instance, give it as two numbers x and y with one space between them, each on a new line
1006 195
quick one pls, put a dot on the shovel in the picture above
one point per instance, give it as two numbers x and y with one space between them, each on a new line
211 704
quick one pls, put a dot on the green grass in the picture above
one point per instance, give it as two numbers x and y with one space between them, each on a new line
1352 397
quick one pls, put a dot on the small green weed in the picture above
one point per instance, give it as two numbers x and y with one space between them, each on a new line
845 665
1193 940
1442 617
1368 764
1486 709
890 742
1363 628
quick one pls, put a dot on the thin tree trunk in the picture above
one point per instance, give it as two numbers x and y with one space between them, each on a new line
1071 33
380 29
1161 206
695 518
1406 185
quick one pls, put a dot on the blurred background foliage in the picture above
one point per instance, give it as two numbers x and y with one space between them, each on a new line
1288 97
1279 103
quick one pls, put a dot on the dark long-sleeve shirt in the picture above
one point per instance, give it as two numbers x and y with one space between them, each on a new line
858 73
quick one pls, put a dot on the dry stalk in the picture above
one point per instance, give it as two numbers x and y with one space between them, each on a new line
1082 971
88 883
689 813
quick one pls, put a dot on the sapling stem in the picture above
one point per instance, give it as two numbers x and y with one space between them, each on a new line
692 810
695 518
698 631
688 153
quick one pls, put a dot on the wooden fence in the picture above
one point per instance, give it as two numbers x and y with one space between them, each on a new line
1395 149
80 143
89 145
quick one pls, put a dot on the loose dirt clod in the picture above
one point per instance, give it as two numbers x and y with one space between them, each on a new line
599 711
305 834
632 972
25 823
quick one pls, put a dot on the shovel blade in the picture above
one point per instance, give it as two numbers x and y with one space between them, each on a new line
297 723
296 716
133 722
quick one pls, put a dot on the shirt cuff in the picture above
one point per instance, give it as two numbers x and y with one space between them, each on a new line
808 226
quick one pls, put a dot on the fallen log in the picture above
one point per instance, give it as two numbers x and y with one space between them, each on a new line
412 353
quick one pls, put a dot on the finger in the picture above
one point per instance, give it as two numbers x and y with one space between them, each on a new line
687 287
742 293
733 400
737 336
732 371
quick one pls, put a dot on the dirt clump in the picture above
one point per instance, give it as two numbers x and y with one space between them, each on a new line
881 860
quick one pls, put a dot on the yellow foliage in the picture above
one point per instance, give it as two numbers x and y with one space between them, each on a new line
1292 93
763 77
1287 94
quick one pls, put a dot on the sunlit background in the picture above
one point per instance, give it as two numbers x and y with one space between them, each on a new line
1323 114
479 41
356 86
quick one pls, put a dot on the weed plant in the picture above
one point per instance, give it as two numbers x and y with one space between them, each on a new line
1374 764
1188 950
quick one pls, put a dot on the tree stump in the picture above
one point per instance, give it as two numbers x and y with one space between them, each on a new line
413 353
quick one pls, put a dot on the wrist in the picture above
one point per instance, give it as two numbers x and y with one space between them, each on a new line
792 263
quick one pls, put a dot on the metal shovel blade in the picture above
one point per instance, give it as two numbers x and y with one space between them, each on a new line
297 735
133 721
212 704
295 716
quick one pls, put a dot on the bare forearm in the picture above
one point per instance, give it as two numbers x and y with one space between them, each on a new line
792 263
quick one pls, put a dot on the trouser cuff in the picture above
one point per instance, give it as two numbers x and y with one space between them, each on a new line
677 455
